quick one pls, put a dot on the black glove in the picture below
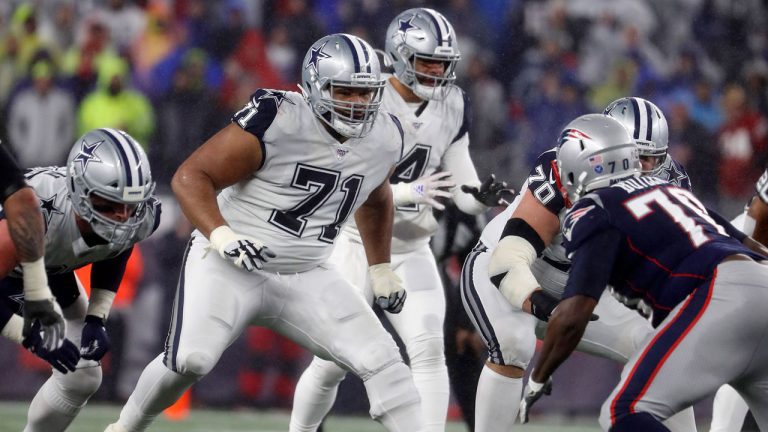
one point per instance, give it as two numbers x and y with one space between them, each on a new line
95 340
63 358
491 192
50 323
543 305
531 396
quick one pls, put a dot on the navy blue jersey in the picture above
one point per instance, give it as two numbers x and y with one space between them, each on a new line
544 182
660 239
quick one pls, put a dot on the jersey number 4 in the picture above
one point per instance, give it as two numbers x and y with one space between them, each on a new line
320 183
410 168
679 204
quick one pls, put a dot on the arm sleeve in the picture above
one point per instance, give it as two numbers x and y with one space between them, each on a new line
591 264
458 161
11 176
109 273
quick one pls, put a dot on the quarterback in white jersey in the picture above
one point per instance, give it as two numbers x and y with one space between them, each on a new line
522 248
95 209
435 116
729 408
293 169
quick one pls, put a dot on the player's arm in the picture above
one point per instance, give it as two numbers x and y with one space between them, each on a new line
529 230
230 156
758 210
27 232
734 232
374 220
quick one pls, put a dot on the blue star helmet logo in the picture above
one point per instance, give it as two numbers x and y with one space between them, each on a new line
404 26
86 154
315 55
277 96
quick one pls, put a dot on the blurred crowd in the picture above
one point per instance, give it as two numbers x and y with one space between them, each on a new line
171 73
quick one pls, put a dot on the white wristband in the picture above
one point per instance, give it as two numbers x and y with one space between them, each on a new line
100 303
219 238
401 194
13 329
35 281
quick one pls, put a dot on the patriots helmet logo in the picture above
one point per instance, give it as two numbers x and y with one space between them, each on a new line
571 134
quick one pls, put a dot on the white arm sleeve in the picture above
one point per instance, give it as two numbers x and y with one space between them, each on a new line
514 256
458 161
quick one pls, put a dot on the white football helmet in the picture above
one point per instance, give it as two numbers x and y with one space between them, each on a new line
111 164
342 60
426 34
595 151
647 125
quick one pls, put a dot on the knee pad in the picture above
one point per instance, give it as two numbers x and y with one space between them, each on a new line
75 388
327 374
391 389
375 357
427 352
516 343
197 364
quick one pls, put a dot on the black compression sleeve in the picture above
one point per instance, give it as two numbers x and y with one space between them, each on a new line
520 228
109 273
11 176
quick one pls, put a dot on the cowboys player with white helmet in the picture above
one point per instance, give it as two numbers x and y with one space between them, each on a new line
20 211
729 409
422 46
520 256
291 169
699 280
95 209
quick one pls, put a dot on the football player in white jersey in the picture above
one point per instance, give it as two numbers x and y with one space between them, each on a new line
292 169
21 211
522 248
422 46
729 408
95 209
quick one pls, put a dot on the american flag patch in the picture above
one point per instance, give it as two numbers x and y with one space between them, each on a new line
595 160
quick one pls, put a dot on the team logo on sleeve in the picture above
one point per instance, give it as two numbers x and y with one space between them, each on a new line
48 208
572 217
276 96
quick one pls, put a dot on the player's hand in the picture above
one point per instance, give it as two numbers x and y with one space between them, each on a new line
94 342
64 358
424 190
245 252
533 392
50 323
388 289
543 305
491 193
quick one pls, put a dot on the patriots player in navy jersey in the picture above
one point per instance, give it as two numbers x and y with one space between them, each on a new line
20 211
269 194
520 257
701 283
95 209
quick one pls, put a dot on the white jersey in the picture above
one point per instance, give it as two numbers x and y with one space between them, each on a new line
430 131
65 249
309 183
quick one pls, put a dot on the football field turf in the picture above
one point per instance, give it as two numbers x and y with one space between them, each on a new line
95 417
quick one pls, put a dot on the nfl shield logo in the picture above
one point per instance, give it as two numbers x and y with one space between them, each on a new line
341 152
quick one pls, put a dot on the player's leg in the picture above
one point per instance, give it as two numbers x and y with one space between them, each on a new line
509 335
318 385
728 410
693 338
214 302
420 326
320 311
62 396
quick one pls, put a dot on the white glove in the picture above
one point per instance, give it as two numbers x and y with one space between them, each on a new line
533 392
245 252
424 190
387 287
